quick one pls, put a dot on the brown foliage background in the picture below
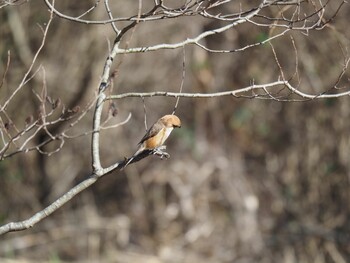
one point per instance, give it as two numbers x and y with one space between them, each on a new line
247 181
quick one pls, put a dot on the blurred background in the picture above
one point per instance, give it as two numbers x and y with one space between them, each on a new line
248 180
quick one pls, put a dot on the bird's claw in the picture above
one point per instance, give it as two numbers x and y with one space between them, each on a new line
159 151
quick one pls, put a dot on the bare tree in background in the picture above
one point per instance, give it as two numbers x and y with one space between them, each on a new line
55 122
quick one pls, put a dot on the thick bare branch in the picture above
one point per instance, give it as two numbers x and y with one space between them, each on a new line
25 224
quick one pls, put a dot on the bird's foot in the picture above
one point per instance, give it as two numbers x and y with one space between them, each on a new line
159 151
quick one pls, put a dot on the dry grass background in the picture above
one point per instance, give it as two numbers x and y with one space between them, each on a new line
247 181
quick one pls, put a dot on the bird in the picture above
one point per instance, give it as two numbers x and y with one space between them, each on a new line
156 135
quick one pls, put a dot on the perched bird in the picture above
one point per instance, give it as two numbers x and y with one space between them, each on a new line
157 134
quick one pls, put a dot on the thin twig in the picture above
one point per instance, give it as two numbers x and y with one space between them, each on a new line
239 93
6 68
182 78
144 112
110 15
192 41
24 79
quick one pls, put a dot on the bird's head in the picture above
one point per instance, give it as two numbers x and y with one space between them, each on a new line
171 121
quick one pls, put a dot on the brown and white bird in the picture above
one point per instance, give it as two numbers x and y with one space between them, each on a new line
157 134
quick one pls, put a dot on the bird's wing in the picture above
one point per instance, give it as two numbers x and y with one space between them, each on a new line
153 131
